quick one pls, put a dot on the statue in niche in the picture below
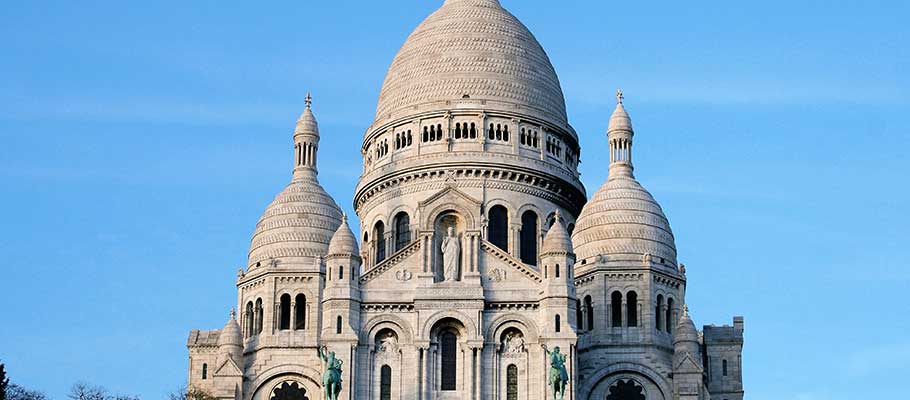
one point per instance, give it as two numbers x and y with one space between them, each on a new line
451 250
513 343
388 343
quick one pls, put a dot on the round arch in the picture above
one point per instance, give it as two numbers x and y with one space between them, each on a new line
307 376
469 324
393 322
527 327
469 217
660 389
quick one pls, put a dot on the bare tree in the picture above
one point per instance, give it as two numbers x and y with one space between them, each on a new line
189 393
84 391
16 392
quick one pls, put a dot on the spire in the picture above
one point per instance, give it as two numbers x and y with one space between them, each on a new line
343 241
306 142
557 239
619 135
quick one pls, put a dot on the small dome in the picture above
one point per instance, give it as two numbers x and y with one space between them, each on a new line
472 49
306 124
300 222
620 120
230 334
302 219
685 329
343 241
557 239
622 218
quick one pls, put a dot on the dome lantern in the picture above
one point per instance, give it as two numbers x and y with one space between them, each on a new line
619 135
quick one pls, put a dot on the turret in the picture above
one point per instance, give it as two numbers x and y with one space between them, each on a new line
341 300
688 382
619 135
230 342
306 142
557 261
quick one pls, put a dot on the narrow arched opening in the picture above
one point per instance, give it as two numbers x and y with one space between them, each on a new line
632 309
498 227
616 309
284 311
528 237
300 312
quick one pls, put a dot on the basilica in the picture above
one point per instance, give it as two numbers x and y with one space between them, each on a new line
480 266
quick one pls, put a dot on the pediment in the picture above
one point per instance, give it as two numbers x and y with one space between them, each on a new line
687 364
228 369
502 269
449 194
399 269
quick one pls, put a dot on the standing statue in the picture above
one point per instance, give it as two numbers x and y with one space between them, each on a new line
451 250
558 376
331 378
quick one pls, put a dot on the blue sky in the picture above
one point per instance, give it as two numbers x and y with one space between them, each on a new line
141 141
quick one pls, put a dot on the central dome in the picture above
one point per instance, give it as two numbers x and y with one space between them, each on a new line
472 49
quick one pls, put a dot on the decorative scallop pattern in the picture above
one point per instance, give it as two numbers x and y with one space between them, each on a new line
472 48
623 218
300 222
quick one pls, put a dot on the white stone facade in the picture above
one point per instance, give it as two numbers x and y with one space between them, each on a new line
470 137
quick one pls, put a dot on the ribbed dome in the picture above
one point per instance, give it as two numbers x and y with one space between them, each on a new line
622 218
300 222
343 242
557 239
685 329
472 49
230 334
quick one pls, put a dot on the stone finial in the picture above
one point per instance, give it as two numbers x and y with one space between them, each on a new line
233 313
619 96
308 99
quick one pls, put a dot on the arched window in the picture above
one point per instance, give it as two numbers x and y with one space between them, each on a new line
341 273
498 228
558 322
259 316
205 371
379 235
512 382
458 130
426 136
632 308
724 366
249 323
402 230
616 309
505 133
492 133
578 317
528 237
300 312
669 319
338 325
439 132
589 310
626 390
473 132
659 312
557 270
285 312
448 342
385 383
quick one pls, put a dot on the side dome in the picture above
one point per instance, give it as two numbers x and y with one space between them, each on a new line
230 335
557 239
300 221
472 49
622 220
343 242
